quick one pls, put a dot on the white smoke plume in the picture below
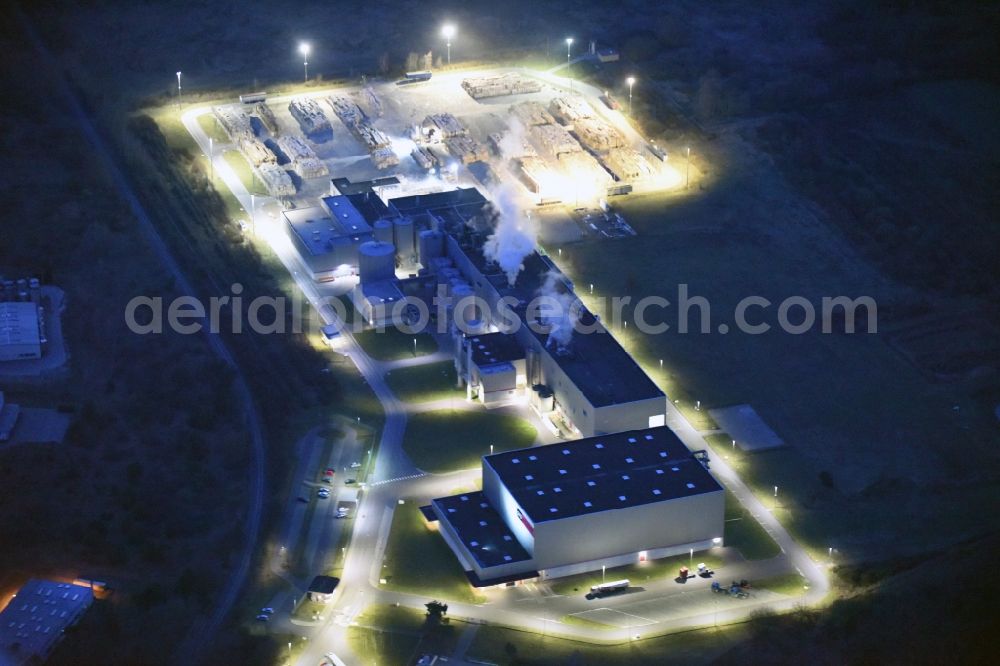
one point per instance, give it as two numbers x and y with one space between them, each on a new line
513 238
561 313
514 142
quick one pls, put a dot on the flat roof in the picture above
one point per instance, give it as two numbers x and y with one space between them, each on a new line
595 362
348 217
345 186
492 348
383 291
19 324
602 473
465 200
483 532
34 620
321 233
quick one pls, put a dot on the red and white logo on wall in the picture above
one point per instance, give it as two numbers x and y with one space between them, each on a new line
527 523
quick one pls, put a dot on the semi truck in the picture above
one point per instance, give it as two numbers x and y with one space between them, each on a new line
608 588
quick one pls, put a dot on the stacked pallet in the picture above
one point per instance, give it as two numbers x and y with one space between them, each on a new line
627 164
598 135
568 110
373 102
532 113
467 149
266 115
554 140
302 157
533 172
235 123
499 86
309 115
441 126
583 169
348 111
372 137
256 152
276 180
423 157
384 158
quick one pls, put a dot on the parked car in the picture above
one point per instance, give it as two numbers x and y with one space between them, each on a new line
263 618
322 493
350 481
267 610
355 465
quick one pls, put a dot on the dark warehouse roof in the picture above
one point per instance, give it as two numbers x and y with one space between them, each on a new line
481 529
601 473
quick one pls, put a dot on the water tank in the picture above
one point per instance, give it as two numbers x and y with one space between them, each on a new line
405 241
430 245
383 231
449 273
376 261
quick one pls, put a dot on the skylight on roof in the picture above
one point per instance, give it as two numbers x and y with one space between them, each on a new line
591 483
598 446
562 471
532 457
621 497
656 491
675 469
625 477
565 452
464 498
515 460
659 471
473 543
629 461
690 485
557 489
540 492
588 504
506 537
663 454
529 477
552 509
596 466
631 440
649 437
482 523
507 558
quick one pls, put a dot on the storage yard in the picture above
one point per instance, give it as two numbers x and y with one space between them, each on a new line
543 144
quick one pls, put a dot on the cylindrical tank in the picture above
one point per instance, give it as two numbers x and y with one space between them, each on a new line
430 245
376 261
383 231
448 273
22 289
35 287
404 239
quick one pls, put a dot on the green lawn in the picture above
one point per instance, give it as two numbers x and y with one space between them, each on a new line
212 128
392 344
425 383
446 440
507 647
791 584
394 634
239 164
745 534
418 561
637 574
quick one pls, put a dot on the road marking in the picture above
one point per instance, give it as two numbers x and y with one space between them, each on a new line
400 478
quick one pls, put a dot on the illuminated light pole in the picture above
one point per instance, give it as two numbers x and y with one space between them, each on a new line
569 49
304 49
687 168
491 449
178 90
631 82
776 491
211 159
448 32
603 570
414 346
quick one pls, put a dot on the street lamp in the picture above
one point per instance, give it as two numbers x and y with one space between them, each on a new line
569 47
304 49
631 82
178 90
687 168
211 159
448 31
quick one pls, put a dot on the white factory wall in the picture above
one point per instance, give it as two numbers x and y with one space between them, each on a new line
19 351
595 536
505 504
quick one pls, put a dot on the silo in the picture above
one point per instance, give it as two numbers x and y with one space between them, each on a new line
376 261
383 231
463 304
431 246
405 242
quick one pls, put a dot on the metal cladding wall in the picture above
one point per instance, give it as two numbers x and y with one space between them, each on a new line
376 261
501 499
693 519
383 231
404 235
431 245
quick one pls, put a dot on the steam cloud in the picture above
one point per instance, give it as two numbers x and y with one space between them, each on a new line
562 313
513 237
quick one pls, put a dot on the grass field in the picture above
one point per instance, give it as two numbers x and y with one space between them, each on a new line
418 560
509 647
791 584
425 383
392 344
745 534
211 128
394 635
448 440
243 170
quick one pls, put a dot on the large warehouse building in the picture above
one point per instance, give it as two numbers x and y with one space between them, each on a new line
571 507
